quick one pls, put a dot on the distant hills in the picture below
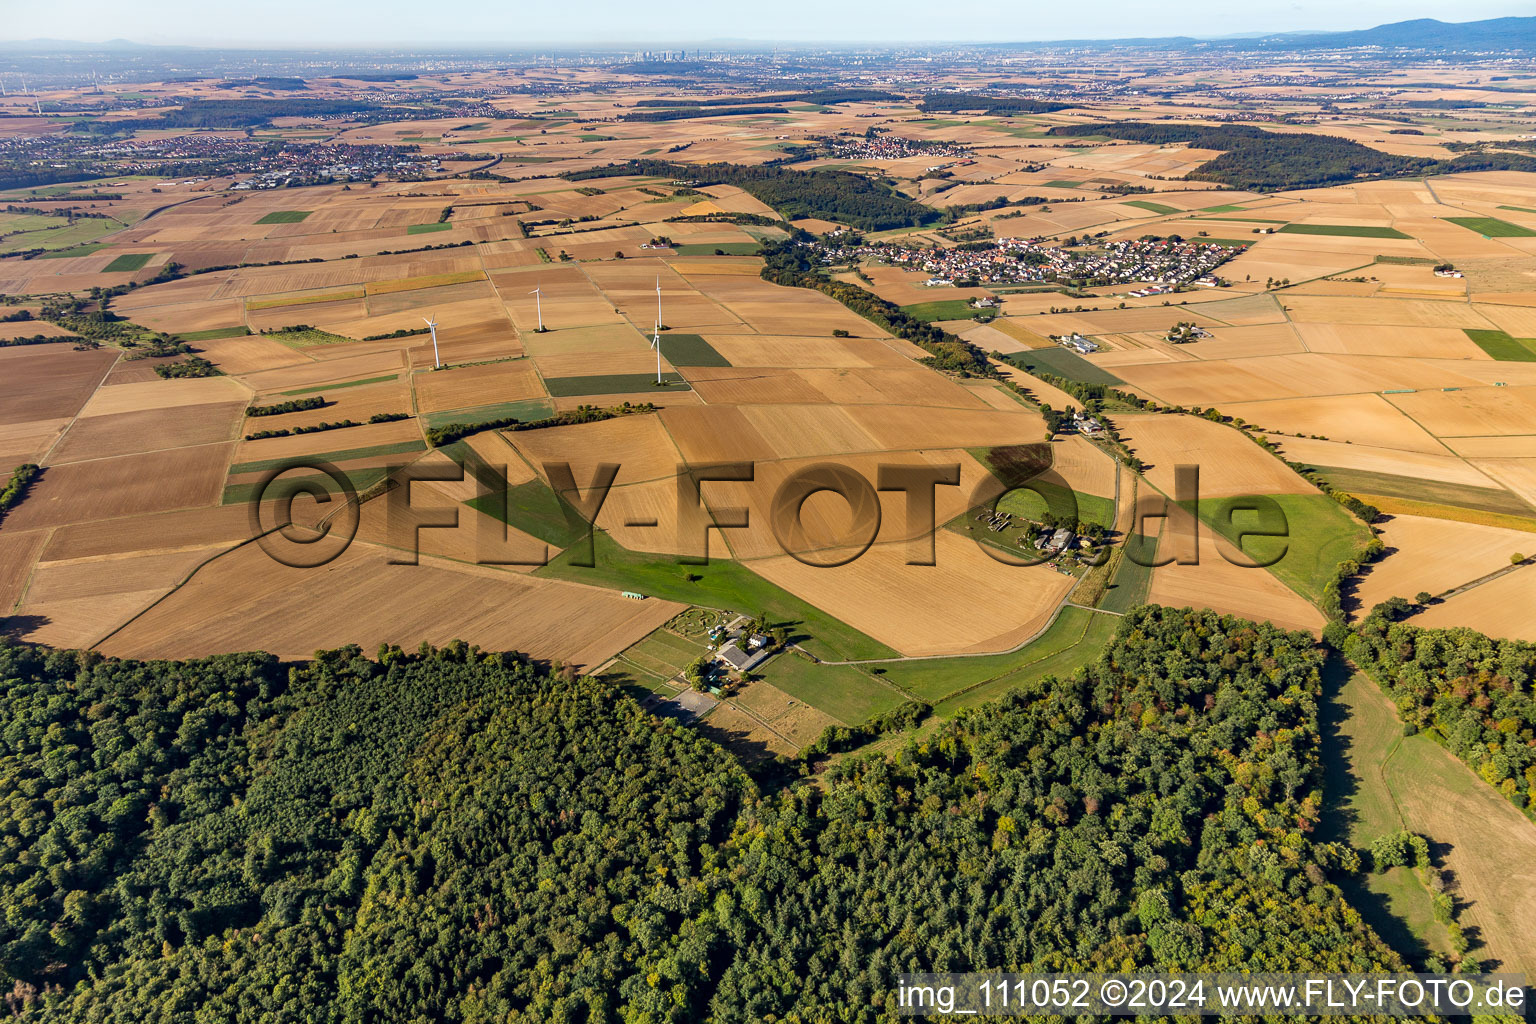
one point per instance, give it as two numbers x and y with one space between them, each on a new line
1502 35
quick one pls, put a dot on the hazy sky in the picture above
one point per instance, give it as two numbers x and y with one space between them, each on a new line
368 22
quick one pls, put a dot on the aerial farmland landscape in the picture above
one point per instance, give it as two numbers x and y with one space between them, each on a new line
760 528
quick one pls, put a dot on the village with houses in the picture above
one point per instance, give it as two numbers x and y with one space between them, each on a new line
1159 265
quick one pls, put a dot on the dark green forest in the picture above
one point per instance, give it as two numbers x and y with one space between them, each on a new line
453 835
1264 161
851 199
1469 692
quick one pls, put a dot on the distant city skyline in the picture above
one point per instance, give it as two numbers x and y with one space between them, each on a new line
636 26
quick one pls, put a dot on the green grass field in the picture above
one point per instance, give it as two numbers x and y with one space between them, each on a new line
362 478
285 217
1483 499
1090 508
525 411
1132 580
128 262
721 584
1503 347
1063 183
1223 208
72 251
662 654
1493 227
537 510
219 333
427 229
726 249
1238 242
1319 535
1518 209
1361 734
1062 363
1347 230
1075 639
323 387
689 350
846 692
611 384
339 455
55 234
1147 204
940 309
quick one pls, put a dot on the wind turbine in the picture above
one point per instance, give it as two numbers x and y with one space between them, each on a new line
658 302
432 324
538 303
656 344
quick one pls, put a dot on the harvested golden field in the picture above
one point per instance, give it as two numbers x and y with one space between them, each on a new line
742 350
1087 469
638 444
1230 463
249 355
1440 466
967 602
49 382
730 385
799 431
1501 607
18 550
1364 419
79 602
1217 584
244 601
123 486
1471 412
128 433
911 428
1435 555
1519 475
462 387
153 533
1375 312
1383 340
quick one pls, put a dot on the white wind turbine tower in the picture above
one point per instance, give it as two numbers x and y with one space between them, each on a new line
656 344
659 321
538 303
432 325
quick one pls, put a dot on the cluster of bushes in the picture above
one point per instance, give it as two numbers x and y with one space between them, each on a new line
196 366
437 437
379 417
835 739
404 332
37 339
16 487
292 405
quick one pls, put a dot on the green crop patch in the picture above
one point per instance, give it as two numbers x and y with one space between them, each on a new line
335 387
285 216
720 584
73 251
1503 346
427 229
128 262
613 384
340 455
525 411
1147 204
940 309
718 249
1063 184
690 350
1062 363
845 692
1345 230
1493 227
1439 492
